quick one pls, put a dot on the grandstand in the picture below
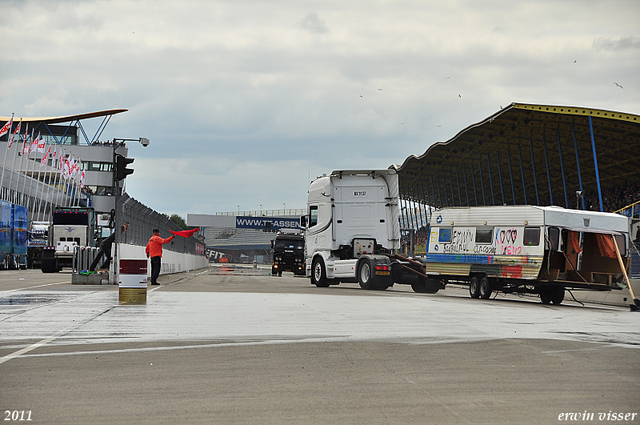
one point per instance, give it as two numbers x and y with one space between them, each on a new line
543 155
528 154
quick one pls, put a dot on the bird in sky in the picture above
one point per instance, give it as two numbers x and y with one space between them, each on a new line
618 85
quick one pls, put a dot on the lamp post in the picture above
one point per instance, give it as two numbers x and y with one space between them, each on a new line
142 140
114 270
578 197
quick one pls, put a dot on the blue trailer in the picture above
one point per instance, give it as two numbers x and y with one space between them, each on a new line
13 236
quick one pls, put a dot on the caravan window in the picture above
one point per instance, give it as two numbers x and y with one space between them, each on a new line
554 238
531 236
484 235
622 246
313 216
445 235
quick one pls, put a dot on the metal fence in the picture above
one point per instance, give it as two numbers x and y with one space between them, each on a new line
142 220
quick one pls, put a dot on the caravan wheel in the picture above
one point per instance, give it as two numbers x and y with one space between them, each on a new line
485 288
545 295
557 295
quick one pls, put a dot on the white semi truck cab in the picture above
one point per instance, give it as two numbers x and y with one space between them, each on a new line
352 230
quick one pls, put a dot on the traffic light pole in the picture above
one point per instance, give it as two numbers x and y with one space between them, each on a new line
119 164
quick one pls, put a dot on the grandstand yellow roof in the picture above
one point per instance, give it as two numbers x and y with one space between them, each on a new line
519 132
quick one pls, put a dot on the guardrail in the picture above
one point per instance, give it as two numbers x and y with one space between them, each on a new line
632 210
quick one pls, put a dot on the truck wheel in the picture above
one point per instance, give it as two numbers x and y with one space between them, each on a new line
485 288
318 273
421 286
474 287
557 295
49 265
365 275
425 286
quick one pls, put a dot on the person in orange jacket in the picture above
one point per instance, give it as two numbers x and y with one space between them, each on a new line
154 250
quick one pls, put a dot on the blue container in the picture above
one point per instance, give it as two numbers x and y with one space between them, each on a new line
20 232
6 222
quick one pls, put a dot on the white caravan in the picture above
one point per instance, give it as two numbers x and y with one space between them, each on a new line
527 249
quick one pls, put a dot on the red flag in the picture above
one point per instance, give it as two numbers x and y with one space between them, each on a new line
185 233
46 156
14 133
6 128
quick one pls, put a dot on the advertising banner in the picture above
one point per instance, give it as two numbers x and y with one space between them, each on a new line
269 223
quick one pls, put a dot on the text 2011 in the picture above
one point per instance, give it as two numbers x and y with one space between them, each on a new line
17 415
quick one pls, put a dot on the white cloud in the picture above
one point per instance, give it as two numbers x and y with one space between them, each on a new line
238 91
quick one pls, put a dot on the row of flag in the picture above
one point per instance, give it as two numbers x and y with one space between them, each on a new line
69 167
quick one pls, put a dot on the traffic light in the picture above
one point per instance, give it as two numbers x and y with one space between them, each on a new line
121 167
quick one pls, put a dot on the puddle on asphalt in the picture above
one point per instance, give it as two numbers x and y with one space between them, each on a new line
31 299
240 271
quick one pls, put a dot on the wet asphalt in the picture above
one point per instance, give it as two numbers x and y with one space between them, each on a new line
235 345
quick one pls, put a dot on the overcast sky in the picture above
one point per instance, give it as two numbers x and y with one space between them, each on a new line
245 100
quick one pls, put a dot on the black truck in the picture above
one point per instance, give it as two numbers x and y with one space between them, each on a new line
288 253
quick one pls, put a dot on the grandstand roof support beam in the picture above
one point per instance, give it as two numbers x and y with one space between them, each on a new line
533 165
424 204
453 197
407 216
466 186
524 184
493 199
419 208
458 181
546 161
410 214
564 182
433 192
414 213
513 190
444 185
595 162
575 146
484 200
500 177
473 179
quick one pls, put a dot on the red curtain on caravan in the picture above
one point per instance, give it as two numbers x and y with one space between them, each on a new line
605 245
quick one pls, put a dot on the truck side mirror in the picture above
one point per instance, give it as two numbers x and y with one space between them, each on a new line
303 221
271 244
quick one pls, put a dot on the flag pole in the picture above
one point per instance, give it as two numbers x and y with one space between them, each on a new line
13 162
58 176
33 169
44 161
28 151
38 200
6 153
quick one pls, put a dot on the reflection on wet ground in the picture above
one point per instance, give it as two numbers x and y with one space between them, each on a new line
240 271
30 299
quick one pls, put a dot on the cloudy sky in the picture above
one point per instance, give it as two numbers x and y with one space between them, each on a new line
245 100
